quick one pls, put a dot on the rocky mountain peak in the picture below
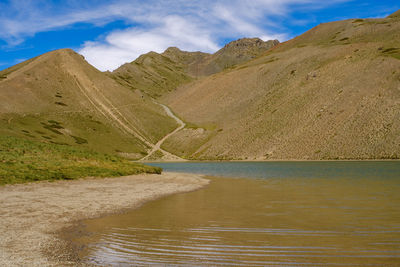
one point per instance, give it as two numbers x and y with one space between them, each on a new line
248 44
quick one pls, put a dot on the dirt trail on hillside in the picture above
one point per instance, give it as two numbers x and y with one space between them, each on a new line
108 110
168 156
111 112
32 214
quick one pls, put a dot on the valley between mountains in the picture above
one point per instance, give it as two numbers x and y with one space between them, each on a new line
330 93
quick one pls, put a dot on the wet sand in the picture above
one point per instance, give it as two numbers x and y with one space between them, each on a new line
31 215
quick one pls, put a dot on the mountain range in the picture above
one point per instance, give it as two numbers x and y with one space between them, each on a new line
330 93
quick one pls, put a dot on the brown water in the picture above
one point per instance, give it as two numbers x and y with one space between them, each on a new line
251 222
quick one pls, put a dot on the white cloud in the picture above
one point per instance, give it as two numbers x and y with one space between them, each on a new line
124 46
193 26
156 24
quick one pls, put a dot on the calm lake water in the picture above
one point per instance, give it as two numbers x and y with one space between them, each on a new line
283 213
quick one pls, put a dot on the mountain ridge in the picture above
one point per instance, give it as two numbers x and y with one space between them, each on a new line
60 98
331 93
157 74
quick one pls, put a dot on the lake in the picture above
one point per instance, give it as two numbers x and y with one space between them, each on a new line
260 213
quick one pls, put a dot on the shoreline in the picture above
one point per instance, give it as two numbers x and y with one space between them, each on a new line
33 215
273 160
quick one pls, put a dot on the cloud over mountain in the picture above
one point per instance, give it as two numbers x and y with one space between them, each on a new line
153 25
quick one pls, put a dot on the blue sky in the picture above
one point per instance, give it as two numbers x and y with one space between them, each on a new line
110 33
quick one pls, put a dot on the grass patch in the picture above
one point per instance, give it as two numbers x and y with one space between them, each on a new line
392 51
79 140
24 161
52 127
156 155
60 104
101 137
54 122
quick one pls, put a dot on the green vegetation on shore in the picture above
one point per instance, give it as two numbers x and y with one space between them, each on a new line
27 161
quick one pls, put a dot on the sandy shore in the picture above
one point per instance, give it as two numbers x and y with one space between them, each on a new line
32 214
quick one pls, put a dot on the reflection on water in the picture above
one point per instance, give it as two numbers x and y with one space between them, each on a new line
275 221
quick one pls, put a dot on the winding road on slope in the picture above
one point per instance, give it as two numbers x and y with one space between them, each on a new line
161 141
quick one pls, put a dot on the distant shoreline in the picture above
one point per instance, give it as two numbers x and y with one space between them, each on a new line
32 215
273 160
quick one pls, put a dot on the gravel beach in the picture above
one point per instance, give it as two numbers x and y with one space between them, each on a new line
32 214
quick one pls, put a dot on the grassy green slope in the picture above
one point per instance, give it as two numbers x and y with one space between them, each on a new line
26 161
331 93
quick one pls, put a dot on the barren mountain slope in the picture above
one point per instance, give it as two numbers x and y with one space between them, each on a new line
395 14
331 93
157 74
59 98
233 53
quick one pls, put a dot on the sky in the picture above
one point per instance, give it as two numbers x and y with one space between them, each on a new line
111 33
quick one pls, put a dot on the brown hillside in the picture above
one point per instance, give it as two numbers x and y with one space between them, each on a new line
59 98
331 93
157 74
234 53
395 14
